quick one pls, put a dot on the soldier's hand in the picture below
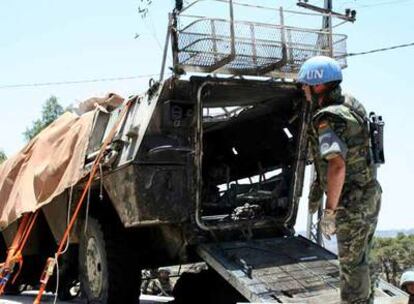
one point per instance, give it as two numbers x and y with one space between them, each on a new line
327 223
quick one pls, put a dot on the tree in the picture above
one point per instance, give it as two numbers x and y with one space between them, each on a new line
392 256
3 156
50 112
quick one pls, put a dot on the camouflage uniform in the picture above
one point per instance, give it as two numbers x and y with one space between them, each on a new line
340 127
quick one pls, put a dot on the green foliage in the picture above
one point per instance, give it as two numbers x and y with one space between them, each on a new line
50 112
3 156
392 256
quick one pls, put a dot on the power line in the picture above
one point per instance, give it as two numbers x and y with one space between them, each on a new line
371 5
355 5
384 3
68 82
378 50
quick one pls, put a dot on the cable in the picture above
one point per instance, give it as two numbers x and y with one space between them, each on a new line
67 82
377 50
384 3
57 278
352 3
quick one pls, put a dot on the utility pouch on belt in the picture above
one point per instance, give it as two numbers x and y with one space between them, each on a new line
376 130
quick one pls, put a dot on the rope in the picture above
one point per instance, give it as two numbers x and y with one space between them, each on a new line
14 253
88 200
51 262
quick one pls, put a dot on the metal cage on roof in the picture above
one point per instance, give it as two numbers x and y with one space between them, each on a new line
240 47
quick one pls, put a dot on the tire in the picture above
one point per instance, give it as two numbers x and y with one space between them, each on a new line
14 289
68 291
107 270
68 275
205 287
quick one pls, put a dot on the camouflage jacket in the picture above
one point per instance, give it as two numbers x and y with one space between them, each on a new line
341 127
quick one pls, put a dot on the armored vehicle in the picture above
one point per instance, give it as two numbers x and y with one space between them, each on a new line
207 165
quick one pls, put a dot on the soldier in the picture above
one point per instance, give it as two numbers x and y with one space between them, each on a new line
407 284
340 146
160 286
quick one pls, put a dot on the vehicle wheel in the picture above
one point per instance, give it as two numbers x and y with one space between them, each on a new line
205 287
68 291
69 287
14 289
107 269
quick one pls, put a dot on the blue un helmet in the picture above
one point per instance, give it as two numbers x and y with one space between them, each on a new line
319 70
407 277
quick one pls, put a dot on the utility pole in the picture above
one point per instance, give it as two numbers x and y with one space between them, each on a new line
327 25
327 20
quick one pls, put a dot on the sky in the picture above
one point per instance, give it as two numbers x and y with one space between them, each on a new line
51 41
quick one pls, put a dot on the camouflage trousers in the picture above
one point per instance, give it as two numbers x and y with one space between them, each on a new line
356 220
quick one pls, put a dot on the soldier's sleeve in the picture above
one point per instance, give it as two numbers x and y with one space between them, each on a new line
331 140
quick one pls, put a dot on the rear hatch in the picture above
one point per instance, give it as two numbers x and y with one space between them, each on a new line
250 152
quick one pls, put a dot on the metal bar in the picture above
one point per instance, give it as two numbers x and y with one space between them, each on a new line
272 8
247 22
262 42
167 41
339 24
330 39
190 5
213 33
327 24
327 20
232 35
253 39
283 29
289 45
299 167
269 43
251 5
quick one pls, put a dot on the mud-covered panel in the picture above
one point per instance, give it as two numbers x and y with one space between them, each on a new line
287 270
150 194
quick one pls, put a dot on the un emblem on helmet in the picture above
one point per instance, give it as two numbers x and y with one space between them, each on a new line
314 74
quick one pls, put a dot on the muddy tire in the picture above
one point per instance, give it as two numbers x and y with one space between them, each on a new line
68 291
68 275
13 289
205 287
107 269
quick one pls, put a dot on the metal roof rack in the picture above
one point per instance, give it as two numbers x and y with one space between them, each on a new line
242 47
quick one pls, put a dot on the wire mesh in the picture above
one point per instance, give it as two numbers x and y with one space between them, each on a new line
206 44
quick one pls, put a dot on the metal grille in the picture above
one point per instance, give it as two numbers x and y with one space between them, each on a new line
249 48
